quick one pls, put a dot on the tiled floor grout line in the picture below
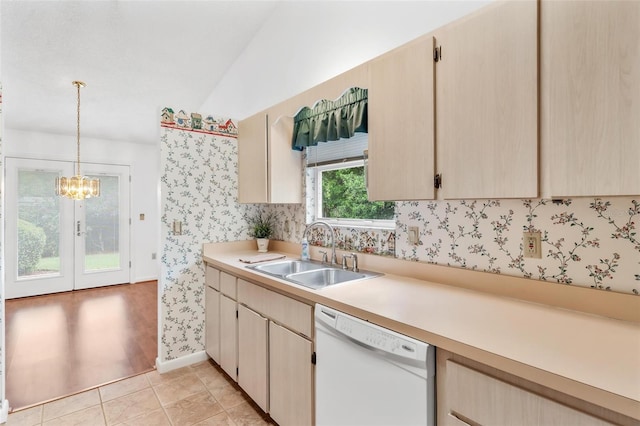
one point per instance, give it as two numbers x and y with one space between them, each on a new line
162 407
104 414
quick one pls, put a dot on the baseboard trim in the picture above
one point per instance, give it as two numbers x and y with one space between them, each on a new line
144 279
184 361
4 411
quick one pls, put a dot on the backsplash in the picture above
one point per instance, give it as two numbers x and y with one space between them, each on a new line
585 241
590 242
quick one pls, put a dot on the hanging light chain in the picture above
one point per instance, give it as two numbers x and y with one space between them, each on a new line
78 85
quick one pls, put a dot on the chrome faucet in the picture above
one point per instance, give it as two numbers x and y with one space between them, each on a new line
334 258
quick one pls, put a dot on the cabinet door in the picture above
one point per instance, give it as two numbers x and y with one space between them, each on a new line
290 377
284 164
252 356
228 336
590 91
476 398
487 103
212 323
252 159
401 124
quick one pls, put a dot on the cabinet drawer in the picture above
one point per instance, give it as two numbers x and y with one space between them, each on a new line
212 277
228 285
292 314
477 398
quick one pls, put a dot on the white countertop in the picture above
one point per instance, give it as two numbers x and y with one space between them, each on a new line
588 356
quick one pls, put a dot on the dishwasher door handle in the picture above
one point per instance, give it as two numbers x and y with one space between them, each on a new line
327 313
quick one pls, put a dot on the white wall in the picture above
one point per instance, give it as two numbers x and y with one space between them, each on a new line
144 166
306 43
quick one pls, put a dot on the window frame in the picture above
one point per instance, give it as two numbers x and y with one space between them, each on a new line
350 222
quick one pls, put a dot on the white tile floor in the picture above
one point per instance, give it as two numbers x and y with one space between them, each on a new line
197 395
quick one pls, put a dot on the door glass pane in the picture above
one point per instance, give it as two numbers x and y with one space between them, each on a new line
101 241
38 224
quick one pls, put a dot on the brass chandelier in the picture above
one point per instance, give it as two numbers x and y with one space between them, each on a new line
78 187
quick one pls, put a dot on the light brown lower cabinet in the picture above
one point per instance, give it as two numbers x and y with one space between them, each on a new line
212 323
274 353
228 336
290 377
470 393
253 355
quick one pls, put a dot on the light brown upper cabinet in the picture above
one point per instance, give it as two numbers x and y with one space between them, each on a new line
269 171
590 97
401 129
252 159
487 103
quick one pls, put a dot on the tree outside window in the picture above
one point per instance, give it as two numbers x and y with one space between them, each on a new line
344 194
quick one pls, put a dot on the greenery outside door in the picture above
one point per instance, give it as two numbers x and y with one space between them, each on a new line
54 244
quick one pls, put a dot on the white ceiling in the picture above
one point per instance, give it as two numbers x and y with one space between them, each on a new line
135 56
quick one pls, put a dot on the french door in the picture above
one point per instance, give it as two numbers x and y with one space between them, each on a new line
55 244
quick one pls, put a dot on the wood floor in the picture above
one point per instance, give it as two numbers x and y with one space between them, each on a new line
65 343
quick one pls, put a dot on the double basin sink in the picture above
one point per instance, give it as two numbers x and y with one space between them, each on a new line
311 274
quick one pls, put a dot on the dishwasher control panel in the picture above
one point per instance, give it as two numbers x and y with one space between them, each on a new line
376 338
372 335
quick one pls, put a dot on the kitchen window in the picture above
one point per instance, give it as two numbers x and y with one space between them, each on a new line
337 186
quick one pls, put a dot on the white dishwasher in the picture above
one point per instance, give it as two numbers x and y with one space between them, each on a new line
369 375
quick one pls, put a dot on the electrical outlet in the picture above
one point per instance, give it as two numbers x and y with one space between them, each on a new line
531 245
153 256
414 235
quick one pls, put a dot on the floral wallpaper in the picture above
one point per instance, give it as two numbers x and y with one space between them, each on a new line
199 189
585 241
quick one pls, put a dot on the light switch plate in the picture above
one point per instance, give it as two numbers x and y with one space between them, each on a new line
177 227
414 235
531 245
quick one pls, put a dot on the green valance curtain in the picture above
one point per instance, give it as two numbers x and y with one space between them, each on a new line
331 120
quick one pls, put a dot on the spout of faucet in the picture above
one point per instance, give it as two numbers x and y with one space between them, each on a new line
334 258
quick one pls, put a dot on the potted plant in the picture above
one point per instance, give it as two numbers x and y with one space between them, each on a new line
262 228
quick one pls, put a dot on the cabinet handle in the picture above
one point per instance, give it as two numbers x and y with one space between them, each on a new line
78 233
458 419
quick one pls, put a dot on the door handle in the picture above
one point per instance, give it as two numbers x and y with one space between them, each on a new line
78 233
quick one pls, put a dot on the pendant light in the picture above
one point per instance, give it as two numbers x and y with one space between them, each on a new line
78 187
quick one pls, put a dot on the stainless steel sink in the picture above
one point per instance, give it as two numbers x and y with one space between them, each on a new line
310 273
286 267
320 278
